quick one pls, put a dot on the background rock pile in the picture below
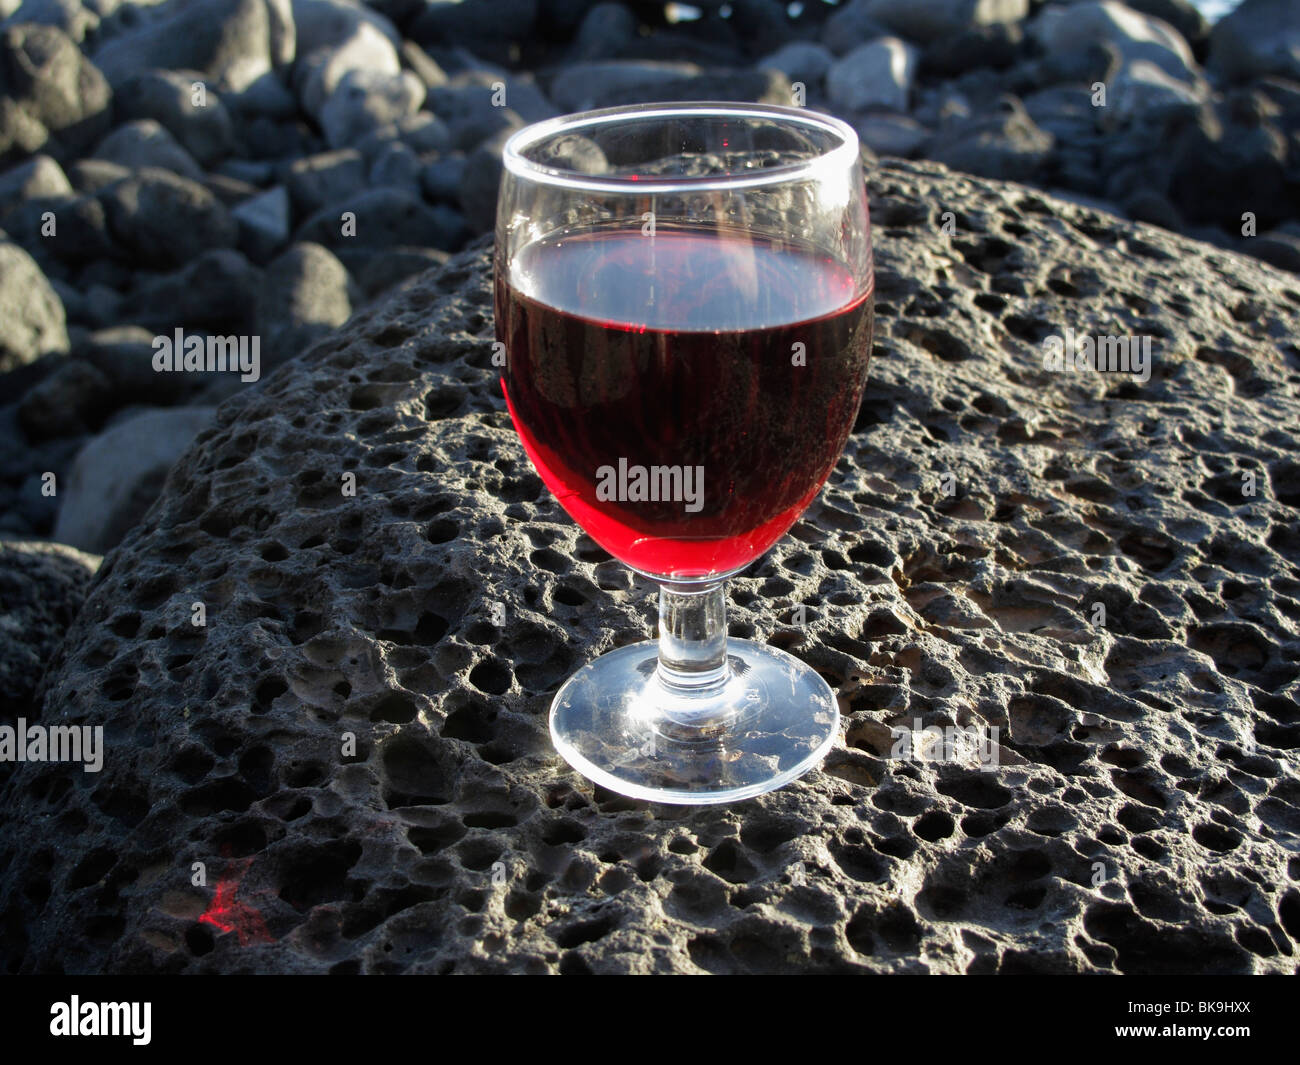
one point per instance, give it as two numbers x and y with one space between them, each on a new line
199 159
1145 814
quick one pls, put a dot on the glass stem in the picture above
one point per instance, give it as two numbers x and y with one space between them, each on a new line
692 638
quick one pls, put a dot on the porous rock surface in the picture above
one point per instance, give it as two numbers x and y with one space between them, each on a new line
1145 813
42 586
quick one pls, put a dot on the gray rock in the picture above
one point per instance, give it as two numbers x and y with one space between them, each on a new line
887 134
398 166
605 31
229 41
329 23
474 23
1257 39
52 99
335 38
877 74
1224 161
422 133
470 114
71 401
306 293
1142 89
581 86
124 355
199 122
750 86
264 223
42 586
67 15
167 220
849 26
326 178
32 321
229 190
996 45
216 291
800 61
423 65
928 20
1062 31
118 474
365 100
37 178
96 175
268 97
1182 15
441 178
385 269
145 142
762 25
1006 145
1278 247
372 614
383 217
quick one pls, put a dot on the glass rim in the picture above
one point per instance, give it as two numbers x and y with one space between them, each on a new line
844 154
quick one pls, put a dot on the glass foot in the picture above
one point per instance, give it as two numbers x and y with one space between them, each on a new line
770 720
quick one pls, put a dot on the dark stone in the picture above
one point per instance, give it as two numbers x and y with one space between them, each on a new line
996 45
52 99
167 220
384 217
42 587
1158 743
71 401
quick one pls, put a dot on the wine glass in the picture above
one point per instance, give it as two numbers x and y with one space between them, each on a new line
684 293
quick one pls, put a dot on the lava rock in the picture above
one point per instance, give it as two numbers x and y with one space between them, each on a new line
118 474
334 37
582 86
52 99
201 124
229 41
1182 15
925 21
800 61
1062 31
70 16
42 586
1007 145
69 402
305 294
32 321
216 290
38 178
165 219
382 217
264 223
877 74
145 142
372 614
605 31
996 46
326 178
1257 39
365 100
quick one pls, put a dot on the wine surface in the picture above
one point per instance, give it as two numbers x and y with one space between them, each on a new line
684 394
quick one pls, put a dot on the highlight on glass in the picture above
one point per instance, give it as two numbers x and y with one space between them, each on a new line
684 292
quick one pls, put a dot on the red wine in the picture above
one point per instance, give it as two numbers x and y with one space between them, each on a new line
683 393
